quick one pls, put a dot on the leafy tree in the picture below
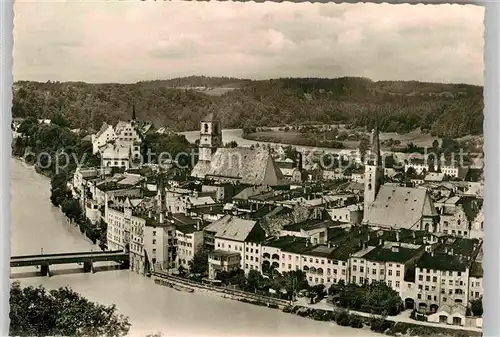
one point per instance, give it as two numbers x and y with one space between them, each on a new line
60 120
182 271
477 306
254 280
199 263
62 312
441 109
232 144
71 208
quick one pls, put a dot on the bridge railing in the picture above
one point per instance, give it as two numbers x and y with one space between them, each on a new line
113 252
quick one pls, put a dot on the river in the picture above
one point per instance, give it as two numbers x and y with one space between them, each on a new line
229 135
36 224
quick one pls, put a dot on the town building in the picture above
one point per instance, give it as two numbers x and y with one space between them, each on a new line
442 275
458 215
222 261
119 146
233 234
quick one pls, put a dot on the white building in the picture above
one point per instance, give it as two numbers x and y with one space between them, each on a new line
233 234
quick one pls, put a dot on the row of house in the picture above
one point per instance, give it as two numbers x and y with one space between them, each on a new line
253 212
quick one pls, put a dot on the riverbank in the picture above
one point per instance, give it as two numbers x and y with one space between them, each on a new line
389 325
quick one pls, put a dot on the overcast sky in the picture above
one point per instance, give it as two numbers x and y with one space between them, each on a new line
128 41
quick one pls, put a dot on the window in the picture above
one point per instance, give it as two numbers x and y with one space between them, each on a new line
361 269
459 273
154 241
398 273
419 296
154 233
361 280
420 278
397 284
354 279
154 251
374 271
389 283
354 268
434 279
427 278
390 272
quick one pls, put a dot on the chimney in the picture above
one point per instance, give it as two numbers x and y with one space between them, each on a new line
161 217
380 241
397 236
307 242
413 234
150 214
395 248
329 244
198 225
432 253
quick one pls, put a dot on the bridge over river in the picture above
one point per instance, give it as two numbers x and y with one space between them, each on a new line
87 258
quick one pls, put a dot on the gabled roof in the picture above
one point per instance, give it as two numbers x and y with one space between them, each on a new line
399 207
232 228
245 165
251 191
103 129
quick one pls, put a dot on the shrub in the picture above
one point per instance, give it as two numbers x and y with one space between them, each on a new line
273 306
356 321
380 324
328 316
288 309
342 317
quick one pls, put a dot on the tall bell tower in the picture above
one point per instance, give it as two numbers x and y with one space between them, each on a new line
210 136
374 169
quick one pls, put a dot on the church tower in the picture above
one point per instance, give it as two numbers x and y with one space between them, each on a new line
210 137
374 170
133 121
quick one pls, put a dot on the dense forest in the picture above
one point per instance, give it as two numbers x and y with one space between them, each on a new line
452 110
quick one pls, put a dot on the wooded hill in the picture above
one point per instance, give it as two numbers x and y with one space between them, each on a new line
452 110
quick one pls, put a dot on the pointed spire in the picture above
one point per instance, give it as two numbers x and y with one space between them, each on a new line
375 157
133 112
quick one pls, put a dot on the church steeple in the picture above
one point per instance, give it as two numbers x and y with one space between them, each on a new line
133 112
374 169
374 157
210 136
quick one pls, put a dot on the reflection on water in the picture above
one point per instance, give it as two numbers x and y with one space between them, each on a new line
36 224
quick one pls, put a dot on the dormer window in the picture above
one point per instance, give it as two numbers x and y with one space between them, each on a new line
206 127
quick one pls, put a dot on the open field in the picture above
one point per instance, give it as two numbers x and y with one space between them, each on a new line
296 138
